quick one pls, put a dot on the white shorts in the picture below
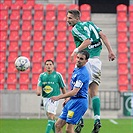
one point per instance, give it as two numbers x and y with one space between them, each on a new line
94 67
50 106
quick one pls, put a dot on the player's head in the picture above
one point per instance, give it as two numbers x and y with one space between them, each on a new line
49 66
82 58
73 16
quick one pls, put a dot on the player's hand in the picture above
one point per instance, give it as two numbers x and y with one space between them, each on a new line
111 56
72 56
54 98
66 100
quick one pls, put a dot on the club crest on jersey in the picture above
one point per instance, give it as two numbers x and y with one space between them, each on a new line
47 89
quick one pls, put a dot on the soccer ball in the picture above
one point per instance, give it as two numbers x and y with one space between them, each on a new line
22 63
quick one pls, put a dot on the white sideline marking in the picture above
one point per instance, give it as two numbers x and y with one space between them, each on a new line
114 122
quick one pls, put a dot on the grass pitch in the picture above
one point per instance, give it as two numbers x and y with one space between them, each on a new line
38 126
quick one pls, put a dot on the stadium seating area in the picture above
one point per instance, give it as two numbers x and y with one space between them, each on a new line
41 33
125 47
37 32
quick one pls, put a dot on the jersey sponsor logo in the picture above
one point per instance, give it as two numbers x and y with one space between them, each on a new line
94 45
47 89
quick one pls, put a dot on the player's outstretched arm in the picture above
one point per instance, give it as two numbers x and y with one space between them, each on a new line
105 40
38 91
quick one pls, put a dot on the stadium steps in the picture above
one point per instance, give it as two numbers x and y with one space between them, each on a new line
107 22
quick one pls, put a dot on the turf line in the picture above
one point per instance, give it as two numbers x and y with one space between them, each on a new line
114 122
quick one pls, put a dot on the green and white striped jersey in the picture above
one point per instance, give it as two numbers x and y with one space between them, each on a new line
88 30
51 83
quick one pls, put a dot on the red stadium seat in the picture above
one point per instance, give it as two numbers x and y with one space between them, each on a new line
25 46
2 67
26 36
61 67
131 37
122 47
131 69
15 14
14 35
27 15
30 2
35 77
122 58
122 27
24 87
131 58
15 6
26 25
24 78
37 46
85 12
14 25
71 67
62 26
131 27
61 57
8 2
11 78
71 47
73 6
4 7
19 2
62 11
38 36
49 46
61 36
121 12
27 7
3 46
50 26
122 69
12 56
13 46
3 36
131 47
4 15
130 13
123 88
123 80
61 46
49 55
26 54
11 68
122 37
2 56
39 16
38 26
49 36
3 25
50 12
11 86
38 7
37 57
2 78
37 67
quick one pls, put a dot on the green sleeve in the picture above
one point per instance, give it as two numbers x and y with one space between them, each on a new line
61 81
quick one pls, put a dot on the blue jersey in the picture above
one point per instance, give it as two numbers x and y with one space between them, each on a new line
80 79
78 104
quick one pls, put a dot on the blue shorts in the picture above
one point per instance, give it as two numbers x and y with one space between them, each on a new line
74 110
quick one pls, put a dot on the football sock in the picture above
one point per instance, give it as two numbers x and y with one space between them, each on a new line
54 126
96 108
50 125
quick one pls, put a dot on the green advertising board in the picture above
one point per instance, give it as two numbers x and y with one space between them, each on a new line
128 104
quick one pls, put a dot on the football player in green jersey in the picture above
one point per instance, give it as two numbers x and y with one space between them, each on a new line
88 36
49 84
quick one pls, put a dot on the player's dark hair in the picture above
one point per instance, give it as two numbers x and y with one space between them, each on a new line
84 52
49 61
76 13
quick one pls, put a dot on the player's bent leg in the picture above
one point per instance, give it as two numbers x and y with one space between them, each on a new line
69 128
59 125
79 126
